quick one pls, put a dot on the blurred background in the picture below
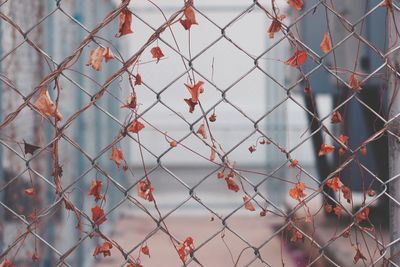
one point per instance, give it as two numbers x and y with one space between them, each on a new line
247 85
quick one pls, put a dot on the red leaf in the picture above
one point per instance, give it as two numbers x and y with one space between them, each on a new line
202 131
103 249
298 59
326 44
117 156
296 236
347 193
195 90
136 126
98 215
363 150
125 20
297 4
362 215
297 192
328 208
232 184
293 163
247 204
358 256
35 257
185 248
7 263
156 53
190 104
326 149
95 190
190 18
336 117
46 106
130 101
252 149
334 183
108 54
145 250
213 117
138 79
30 191
274 28
145 190
96 58
338 210
354 82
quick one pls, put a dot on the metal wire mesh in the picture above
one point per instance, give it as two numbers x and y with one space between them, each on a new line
301 185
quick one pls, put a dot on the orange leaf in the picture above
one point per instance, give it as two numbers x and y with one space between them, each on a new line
125 20
30 191
190 18
195 90
334 183
326 149
185 248
362 215
145 190
98 215
221 174
232 185
156 53
138 79
117 156
297 4
296 236
363 150
298 59
136 126
108 54
338 210
336 117
7 263
354 82
145 250
95 190
202 131
293 163
46 106
297 192
274 28
190 104
347 193
328 208
247 204
103 249
344 139
96 58
130 101
326 44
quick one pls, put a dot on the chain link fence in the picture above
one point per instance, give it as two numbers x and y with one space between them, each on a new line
144 133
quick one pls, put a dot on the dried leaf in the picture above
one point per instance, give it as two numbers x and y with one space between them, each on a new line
29 148
136 126
293 163
326 44
202 131
125 20
190 104
96 58
328 208
297 192
347 193
117 156
362 215
296 236
232 185
103 249
145 190
98 215
157 53
145 250
247 204
297 4
108 54
334 183
213 117
213 154
274 28
336 117
130 101
354 82
359 256
363 150
7 263
46 106
185 248
95 190
326 149
338 210
190 18
195 90
298 59
138 79
30 191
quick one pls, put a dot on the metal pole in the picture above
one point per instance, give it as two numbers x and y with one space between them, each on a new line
394 141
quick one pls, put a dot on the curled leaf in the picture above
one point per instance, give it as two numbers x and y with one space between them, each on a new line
354 83
98 215
145 250
274 28
30 191
190 104
358 256
326 149
362 215
117 156
336 117
157 53
347 194
185 248
95 190
190 18
125 20
338 211
232 185
96 58
298 59
136 126
104 249
108 54
334 183
297 192
247 204
138 79
293 163
145 190
46 106
202 131
297 4
130 101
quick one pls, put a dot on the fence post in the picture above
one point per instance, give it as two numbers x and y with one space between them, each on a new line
394 140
